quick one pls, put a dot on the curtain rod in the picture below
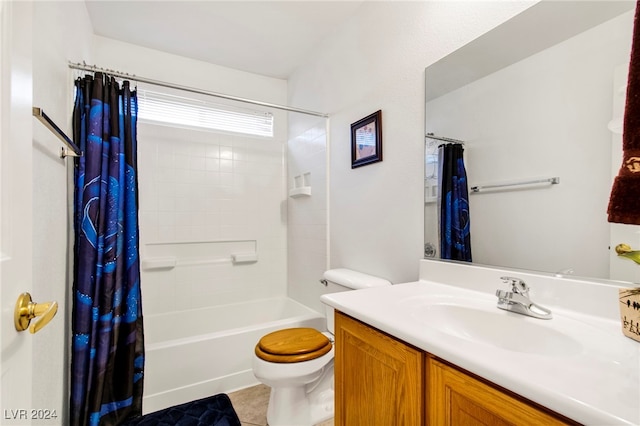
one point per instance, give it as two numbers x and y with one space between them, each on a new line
93 68
444 139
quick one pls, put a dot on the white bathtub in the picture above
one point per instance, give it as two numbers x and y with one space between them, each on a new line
198 353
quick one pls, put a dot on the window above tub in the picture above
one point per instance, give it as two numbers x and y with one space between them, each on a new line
169 109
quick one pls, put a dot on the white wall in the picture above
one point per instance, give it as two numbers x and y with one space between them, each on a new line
154 64
544 116
376 60
61 31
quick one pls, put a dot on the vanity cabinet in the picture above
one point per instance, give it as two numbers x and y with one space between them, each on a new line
456 398
380 380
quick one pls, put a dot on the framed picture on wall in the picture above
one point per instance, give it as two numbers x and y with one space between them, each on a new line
366 140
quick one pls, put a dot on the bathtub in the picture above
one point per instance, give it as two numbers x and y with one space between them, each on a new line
198 353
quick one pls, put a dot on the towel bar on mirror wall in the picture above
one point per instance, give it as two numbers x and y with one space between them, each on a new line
550 181
49 124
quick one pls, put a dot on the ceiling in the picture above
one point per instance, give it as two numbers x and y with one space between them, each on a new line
270 38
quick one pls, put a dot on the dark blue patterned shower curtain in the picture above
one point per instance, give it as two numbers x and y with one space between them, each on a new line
455 238
108 346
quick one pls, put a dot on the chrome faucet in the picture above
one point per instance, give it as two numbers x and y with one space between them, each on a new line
517 300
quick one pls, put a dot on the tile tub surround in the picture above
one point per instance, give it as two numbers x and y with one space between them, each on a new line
220 194
597 384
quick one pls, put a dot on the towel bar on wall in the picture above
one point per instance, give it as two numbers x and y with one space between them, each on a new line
49 124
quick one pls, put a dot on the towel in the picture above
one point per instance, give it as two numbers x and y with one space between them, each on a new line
624 203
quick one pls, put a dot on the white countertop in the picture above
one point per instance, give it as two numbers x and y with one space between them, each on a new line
594 378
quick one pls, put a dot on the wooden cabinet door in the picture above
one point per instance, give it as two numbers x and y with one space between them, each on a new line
379 380
457 399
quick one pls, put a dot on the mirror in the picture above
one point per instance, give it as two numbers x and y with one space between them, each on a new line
533 99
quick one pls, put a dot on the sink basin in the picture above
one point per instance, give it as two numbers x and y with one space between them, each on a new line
498 328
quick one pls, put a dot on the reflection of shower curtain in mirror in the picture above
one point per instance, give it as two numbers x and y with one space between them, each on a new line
453 204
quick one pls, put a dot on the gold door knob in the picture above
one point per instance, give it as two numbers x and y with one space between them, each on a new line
26 310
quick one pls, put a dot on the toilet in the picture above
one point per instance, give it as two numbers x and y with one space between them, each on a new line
297 363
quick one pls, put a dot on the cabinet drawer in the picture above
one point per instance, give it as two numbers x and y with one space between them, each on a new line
455 398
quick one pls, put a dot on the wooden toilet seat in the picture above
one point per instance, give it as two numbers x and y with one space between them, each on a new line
293 345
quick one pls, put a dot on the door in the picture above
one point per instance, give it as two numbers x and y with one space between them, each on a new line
455 398
378 379
15 207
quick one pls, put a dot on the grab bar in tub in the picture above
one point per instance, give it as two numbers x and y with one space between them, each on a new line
157 263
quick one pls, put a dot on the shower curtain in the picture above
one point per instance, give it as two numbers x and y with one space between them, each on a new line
453 204
107 344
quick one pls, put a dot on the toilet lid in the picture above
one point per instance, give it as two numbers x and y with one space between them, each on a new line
293 345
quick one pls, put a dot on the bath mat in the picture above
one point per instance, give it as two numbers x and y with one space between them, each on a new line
211 411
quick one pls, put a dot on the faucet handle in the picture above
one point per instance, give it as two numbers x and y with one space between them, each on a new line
517 285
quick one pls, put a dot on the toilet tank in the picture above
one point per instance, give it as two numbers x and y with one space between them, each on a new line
345 280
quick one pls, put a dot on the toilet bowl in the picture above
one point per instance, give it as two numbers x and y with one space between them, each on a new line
297 363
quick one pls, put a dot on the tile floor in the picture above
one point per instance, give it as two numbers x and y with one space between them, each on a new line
251 406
